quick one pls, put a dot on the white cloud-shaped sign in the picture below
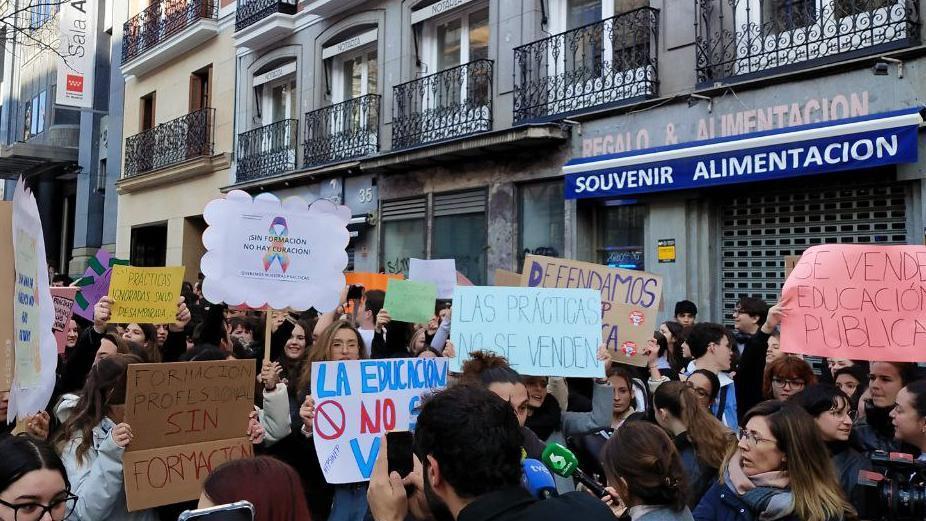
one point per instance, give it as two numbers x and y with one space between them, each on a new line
280 254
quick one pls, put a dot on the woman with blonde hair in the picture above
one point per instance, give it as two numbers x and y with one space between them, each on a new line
701 439
780 470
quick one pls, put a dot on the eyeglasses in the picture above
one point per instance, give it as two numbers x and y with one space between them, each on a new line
751 437
784 382
59 510
837 413
700 392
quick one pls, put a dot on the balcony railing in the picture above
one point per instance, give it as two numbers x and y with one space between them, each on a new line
597 65
450 104
342 131
178 140
268 150
743 38
252 11
160 21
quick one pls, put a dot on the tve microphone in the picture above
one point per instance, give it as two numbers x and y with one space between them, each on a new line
537 479
564 463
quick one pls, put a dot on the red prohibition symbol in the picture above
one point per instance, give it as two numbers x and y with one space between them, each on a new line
330 420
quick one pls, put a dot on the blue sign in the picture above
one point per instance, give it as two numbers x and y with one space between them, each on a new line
864 142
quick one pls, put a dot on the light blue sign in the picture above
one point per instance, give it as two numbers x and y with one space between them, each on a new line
541 331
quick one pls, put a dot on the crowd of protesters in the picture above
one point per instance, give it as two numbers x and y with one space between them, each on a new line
721 424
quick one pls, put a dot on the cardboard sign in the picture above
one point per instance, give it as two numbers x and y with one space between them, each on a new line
862 302
507 278
542 332
410 301
94 284
35 354
261 251
356 402
145 295
188 402
441 272
6 295
168 475
629 300
790 262
370 281
63 300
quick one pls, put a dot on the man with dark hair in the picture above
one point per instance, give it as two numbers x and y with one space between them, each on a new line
370 306
711 347
686 312
748 316
468 442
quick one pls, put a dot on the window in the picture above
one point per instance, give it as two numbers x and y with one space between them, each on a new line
620 236
277 98
35 115
595 50
403 232
461 38
149 246
200 87
459 232
41 12
146 112
785 15
541 220
356 75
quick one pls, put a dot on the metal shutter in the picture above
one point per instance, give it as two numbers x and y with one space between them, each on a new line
404 209
761 228
460 203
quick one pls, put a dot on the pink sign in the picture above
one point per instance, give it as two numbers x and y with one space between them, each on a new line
861 302
63 299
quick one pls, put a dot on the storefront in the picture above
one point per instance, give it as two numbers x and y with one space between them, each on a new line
717 217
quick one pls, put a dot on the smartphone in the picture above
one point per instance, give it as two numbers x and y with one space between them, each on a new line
399 453
238 511
355 292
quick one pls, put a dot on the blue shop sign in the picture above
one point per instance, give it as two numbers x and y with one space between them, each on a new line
848 144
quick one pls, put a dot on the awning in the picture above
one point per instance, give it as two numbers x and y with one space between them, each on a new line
847 144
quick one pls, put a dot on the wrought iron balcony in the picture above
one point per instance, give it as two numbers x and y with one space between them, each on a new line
452 103
748 38
161 20
342 131
178 140
252 11
602 64
268 150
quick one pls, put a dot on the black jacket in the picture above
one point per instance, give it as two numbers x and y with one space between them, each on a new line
875 431
848 462
516 504
700 475
749 374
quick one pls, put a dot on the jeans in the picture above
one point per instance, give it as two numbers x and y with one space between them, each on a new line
350 502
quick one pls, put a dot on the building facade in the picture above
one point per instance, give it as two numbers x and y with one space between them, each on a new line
455 128
59 149
177 64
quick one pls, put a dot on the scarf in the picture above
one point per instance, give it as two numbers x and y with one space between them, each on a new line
767 493
546 419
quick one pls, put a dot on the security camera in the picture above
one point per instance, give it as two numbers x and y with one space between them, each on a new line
879 69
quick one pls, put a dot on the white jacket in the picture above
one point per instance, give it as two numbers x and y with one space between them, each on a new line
97 480
274 417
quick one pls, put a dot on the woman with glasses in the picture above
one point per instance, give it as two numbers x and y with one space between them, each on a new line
701 439
338 342
853 381
33 482
786 377
833 412
706 386
92 441
779 471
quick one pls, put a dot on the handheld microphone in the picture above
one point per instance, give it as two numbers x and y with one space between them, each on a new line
537 479
564 463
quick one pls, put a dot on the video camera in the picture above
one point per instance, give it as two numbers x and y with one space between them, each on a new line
895 489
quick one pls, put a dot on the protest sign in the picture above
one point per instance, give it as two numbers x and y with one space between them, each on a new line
507 278
168 475
94 284
145 295
35 354
441 272
541 331
862 302
63 299
356 402
282 254
370 281
188 402
410 301
629 300
6 295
